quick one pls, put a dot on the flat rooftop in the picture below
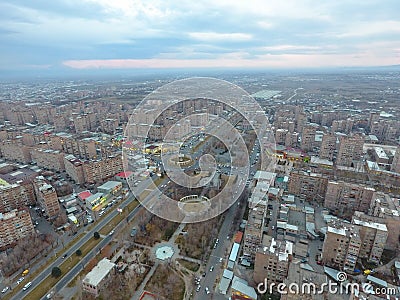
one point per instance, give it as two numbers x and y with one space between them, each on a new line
99 272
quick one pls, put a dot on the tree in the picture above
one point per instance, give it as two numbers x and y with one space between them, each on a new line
78 252
56 272
96 235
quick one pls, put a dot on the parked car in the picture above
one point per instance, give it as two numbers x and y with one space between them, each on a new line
5 289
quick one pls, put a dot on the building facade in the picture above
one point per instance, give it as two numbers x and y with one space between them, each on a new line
272 260
350 150
97 278
47 197
16 195
345 198
328 146
308 185
14 225
341 246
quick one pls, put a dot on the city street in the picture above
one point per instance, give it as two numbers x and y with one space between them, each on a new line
38 279
222 250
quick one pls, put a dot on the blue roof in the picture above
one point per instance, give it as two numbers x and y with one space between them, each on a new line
377 281
234 252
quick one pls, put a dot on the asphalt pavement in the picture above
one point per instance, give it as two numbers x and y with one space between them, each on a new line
79 267
212 278
100 224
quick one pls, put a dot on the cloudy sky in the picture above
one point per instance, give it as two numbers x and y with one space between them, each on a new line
89 34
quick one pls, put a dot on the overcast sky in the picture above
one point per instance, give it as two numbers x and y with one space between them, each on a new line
40 34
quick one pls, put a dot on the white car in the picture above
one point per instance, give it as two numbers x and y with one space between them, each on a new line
207 291
5 289
111 232
20 280
27 286
211 268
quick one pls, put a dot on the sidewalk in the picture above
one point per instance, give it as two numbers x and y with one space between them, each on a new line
140 289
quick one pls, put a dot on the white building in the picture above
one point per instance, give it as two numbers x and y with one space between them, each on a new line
95 280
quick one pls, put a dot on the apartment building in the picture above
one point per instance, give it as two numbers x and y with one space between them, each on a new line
341 246
308 137
255 225
272 260
392 223
49 159
344 126
16 195
308 185
60 123
109 125
345 243
345 198
396 161
350 150
280 136
47 197
95 171
84 149
328 146
74 168
298 275
14 225
292 140
385 209
14 150
373 237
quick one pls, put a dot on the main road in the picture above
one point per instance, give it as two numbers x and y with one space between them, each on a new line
75 270
79 267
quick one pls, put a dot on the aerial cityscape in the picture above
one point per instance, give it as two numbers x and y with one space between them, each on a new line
196 151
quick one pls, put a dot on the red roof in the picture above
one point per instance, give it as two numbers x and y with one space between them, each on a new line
124 174
83 195
238 237
147 296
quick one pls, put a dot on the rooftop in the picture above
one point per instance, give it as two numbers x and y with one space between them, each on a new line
124 174
99 272
374 225
242 286
109 185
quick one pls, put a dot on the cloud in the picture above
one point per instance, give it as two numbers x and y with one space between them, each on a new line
217 37
223 32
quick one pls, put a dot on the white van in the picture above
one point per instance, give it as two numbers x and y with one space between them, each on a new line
27 286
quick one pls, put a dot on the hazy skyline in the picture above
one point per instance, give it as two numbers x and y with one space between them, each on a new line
92 34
